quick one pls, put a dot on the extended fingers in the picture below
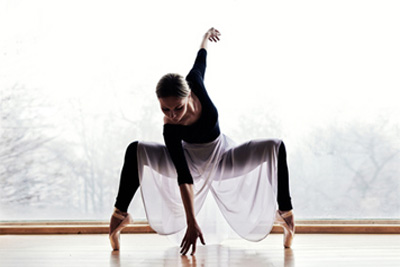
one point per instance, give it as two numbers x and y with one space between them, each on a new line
202 239
185 248
184 240
213 39
193 249
213 35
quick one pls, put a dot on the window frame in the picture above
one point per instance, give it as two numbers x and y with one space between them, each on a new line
141 227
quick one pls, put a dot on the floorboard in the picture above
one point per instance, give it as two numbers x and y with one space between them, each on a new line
153 250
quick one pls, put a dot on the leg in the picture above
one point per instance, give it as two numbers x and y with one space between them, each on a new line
157 156
244 158
248 156
137 155
129 183
285 214
284 200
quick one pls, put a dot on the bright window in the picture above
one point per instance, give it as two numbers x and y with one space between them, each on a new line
77 82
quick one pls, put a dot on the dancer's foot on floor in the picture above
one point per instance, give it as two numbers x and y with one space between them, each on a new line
286 220
119 220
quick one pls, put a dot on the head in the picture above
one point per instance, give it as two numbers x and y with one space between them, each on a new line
173 93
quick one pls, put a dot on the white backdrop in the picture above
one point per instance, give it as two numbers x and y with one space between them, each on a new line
77 79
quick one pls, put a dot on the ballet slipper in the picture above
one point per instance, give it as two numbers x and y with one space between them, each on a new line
286 220
114 234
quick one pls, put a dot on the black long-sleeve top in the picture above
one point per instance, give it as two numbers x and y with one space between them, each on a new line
204 130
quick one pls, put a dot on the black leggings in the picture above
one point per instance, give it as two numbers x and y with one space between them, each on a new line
284 199
129 181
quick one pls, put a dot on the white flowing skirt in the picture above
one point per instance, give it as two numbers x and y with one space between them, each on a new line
242 180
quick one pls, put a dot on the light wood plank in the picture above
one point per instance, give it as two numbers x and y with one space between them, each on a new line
154 250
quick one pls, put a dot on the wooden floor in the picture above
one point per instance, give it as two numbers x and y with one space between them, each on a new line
154 250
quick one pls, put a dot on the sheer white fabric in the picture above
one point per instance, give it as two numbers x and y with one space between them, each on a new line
242 180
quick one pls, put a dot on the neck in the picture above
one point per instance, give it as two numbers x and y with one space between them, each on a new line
191 105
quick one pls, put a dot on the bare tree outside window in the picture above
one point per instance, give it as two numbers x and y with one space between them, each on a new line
77 85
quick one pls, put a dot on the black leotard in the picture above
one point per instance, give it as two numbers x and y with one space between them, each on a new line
204 130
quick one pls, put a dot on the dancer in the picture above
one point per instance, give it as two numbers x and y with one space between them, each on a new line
249 182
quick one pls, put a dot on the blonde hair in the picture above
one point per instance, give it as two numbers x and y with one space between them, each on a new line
172 84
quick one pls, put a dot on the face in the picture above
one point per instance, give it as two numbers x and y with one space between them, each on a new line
174 107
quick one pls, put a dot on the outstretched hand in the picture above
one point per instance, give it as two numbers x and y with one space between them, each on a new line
189 240
212 35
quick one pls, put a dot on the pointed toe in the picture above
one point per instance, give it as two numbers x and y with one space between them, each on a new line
115 233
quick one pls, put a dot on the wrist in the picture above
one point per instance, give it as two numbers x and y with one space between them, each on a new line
191 221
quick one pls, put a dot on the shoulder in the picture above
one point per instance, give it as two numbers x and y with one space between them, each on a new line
167 120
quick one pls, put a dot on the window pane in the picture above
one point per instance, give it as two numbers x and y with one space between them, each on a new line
77 84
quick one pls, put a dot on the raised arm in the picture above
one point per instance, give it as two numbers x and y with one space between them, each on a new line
199 67
211 35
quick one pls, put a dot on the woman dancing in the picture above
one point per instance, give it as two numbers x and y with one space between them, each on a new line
249 182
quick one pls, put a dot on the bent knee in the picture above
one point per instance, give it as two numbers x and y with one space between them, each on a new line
282 150
275 145
271 143
131 150
282 145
